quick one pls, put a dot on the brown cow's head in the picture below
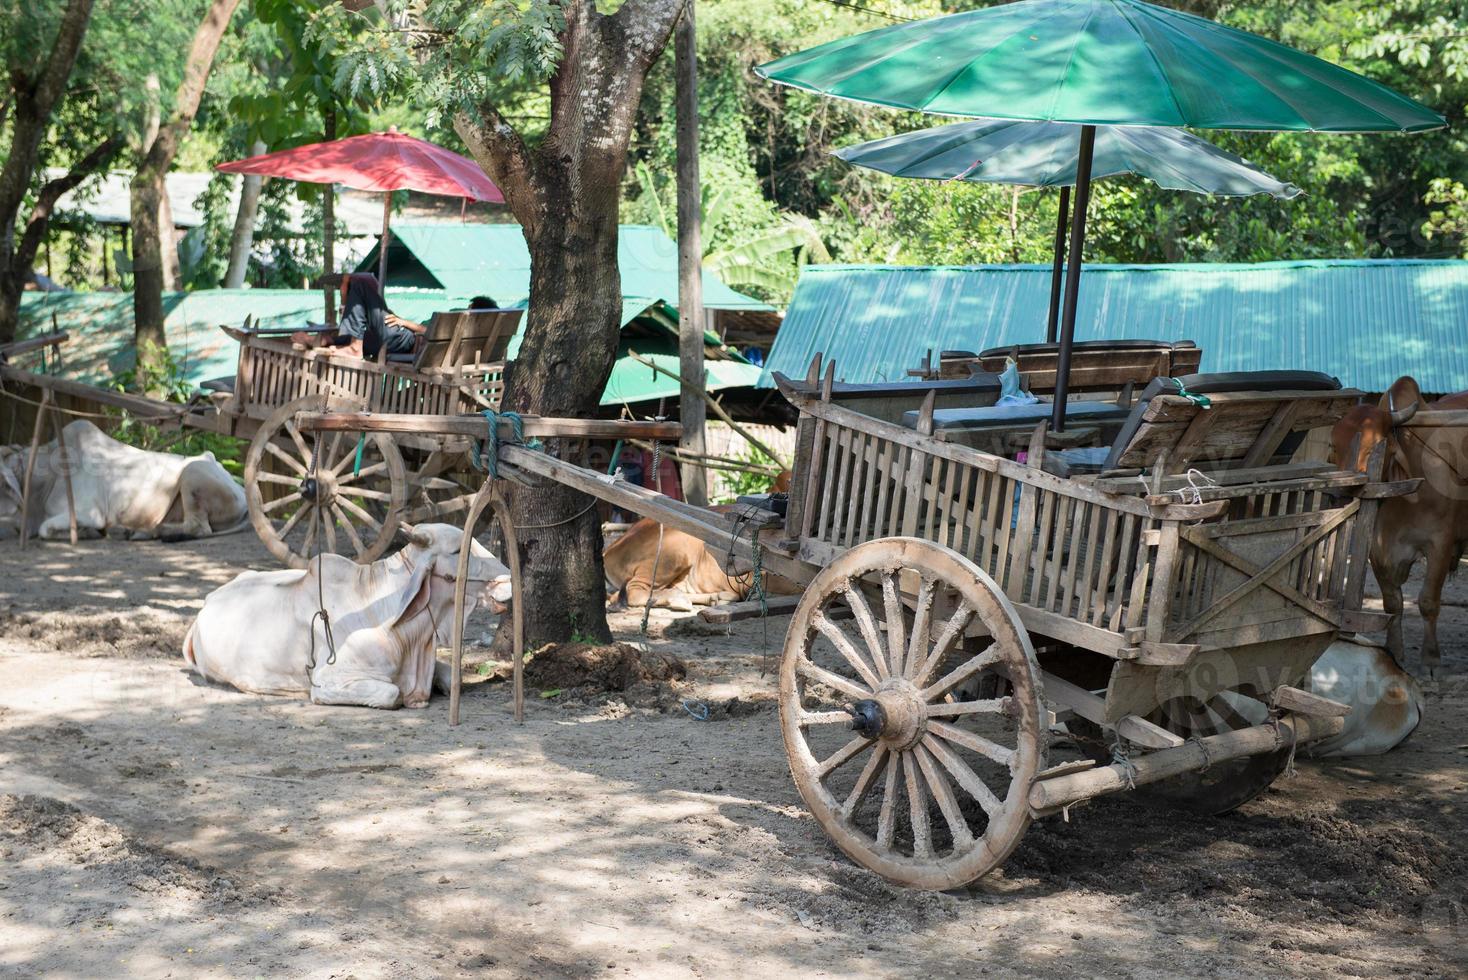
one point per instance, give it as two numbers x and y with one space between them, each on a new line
782 482
1362 429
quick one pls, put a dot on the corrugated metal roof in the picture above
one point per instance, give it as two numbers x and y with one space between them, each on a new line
1368 322
493 260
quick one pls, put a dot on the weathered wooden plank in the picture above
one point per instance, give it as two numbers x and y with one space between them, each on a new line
474 426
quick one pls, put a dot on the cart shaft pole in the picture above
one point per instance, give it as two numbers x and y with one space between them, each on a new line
1052 794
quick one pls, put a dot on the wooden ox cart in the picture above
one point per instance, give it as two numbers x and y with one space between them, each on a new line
959 606
350 492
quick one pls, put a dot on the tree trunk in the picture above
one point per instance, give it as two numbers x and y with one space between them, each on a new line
150 272
242 240
35 98
565 194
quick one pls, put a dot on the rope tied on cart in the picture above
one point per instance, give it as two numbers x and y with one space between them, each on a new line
1290 772
1207 759
1202 401
757 573
487 454
1121 758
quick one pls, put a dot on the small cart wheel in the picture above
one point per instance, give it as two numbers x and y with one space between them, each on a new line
308 492
911 776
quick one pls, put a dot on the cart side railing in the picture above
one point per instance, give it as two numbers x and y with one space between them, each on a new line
272 373
1136 576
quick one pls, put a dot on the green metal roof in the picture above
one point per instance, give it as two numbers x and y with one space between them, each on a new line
1368 322
101 328
493 260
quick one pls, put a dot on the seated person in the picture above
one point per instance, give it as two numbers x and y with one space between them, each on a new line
366 323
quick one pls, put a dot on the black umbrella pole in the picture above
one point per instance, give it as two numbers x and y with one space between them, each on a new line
1057 273
1073 275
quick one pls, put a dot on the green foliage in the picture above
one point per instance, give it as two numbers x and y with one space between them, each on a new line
734 484
167 379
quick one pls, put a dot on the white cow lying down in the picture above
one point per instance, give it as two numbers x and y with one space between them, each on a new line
120 489
1386 702
387 619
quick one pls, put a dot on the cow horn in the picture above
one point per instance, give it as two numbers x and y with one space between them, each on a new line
421 538
1402 416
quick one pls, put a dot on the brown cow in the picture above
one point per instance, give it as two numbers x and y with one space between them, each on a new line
687 574
1431 522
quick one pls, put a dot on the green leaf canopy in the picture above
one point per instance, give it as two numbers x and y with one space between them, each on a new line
1041 154
1099 62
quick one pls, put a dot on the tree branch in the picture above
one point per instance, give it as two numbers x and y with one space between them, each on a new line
52 81
51 192
191 90
500 150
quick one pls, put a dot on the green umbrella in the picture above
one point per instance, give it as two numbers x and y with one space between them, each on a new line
1042 154
1097 63
1103 62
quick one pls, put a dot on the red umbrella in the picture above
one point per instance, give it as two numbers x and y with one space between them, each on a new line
386 162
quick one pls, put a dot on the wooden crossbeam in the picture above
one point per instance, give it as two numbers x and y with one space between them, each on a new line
1264 576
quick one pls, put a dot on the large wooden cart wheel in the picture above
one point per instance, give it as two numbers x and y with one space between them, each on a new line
308 494
911 776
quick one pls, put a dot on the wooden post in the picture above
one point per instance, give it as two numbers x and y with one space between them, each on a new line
65 458
30 468
691 408
386 240
489 496
328 220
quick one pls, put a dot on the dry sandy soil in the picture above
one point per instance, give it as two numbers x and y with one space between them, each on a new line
151 825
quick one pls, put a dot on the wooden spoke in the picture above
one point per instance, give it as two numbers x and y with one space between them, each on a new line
347 457
293 520
845 754
371 469
952 709
833 681
896 624
365 493
276 478
360 514
276 505
973 742
808 718
958 829
922 617
867 624
357 545
952 630
310 531
285 458
917 810
845 647
864 782
328 526
295 434
887 817
966 778
963 672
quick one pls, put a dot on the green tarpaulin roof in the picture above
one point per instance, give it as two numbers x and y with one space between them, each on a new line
493 260
1367 322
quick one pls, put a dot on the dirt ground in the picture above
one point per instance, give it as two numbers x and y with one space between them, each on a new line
151 825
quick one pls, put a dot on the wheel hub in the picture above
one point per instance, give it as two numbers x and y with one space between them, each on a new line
317 490
897 715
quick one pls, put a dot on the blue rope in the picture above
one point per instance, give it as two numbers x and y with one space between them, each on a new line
1202 401
487 454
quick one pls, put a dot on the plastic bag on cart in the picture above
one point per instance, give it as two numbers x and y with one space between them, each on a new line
1010 392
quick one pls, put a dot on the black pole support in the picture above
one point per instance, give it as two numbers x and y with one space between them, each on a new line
1057 273
1073 275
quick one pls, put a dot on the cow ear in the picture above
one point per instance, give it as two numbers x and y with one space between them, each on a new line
421 538
8 475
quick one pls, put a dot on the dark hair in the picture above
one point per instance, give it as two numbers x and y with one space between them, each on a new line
483 303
